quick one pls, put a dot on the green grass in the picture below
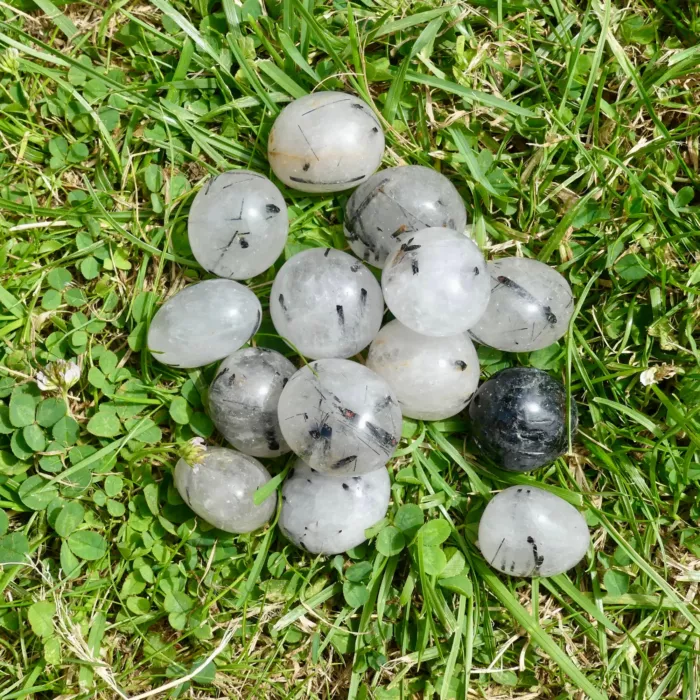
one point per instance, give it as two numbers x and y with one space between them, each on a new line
572 131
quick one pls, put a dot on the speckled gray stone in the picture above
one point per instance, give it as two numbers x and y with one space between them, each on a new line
238 224
433 378
327 514
399 200
519 418
325 142
243 400
326 303
220 489
530 306
435 282
526 531
340 417
204 323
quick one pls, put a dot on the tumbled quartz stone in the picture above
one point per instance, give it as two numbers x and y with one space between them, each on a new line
220 489
519 418
526 531
325 142
326 303
238 224
340 417
433 378
435 282
530 306
327 514
204 323
399 200
243 400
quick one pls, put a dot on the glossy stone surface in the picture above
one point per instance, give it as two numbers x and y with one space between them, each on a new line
327 514
519 418
526 531
220 489
204 323
340 417
243 400
325 142
529 309
327 303
238 224
435 282
399 200
432 378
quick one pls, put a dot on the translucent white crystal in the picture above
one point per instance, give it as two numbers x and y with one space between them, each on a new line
327 514
327 303
340 417
325 142
204 323
432 378
238 224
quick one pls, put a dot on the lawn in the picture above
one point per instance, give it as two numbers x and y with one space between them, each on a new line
572 132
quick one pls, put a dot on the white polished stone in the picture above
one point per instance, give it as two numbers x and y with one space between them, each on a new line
399 200
340 417
326 303
526 531
433 378
325 142
238 224
204 323
435 282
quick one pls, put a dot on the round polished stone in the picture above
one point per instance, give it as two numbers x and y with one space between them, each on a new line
435 282
238 224
526 531
530 306
325 142
519 418
204 323
326 303
220 489
399 200
243 400
327 514
433 378
340 417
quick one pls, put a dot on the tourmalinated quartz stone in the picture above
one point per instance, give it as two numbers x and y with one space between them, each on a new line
325 142
526 531
243 400
399 200
519 418
435 282
340 417
433 378
238 224
204 323
220 489
327 514
326 303
530 306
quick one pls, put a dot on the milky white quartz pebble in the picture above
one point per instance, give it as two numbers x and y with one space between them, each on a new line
243 400
526 531
435 282
220 489
325 142
340 417
399 200
203 323
327 514
433 378
238 224
326 303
